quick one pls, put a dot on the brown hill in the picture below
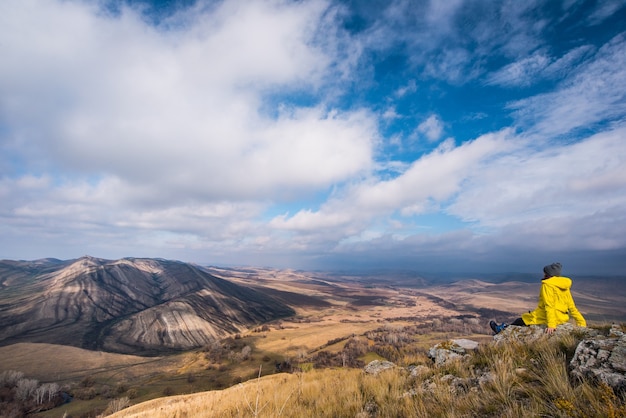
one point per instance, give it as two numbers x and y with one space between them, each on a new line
139 306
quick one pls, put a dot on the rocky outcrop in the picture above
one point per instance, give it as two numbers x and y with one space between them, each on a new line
450 350
602 359
138 306
598 358
514 333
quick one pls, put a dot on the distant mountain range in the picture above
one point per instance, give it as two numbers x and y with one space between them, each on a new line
132 305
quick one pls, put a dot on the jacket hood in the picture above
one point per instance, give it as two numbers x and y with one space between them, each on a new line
563 283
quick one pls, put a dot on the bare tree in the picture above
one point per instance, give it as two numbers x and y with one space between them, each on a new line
40 394
52 389
25 388
9 378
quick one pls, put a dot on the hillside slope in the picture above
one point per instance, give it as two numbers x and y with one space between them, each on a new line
510 377
139 306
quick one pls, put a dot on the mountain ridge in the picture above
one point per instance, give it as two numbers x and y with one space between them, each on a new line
131 305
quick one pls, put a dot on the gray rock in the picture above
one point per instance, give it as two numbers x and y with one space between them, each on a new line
616 331
535 332
486 378
602 360
597 358
377 366
456 385
450 350
419 370
466 344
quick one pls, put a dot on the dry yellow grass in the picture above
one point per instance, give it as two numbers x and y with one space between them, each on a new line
268 396
318 393
525 380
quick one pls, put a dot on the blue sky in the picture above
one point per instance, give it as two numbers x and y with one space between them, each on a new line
424 135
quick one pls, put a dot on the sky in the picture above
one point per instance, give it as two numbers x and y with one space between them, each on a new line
456 136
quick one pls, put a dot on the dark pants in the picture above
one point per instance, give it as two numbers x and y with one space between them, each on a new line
519 322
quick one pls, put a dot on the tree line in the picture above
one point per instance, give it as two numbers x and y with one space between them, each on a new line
20 395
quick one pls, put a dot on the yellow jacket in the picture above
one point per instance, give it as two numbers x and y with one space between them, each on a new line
555 301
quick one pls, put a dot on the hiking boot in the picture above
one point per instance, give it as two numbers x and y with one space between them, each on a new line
497 328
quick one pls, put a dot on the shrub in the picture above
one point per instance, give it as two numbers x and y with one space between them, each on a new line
132 393
84 394
117 405
87 382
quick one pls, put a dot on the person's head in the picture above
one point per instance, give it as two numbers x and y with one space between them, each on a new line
552 270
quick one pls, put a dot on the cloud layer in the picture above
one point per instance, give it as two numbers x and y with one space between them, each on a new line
284 133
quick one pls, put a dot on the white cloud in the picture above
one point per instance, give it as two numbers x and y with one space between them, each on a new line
390 114
604 10
423 187
410 87
451 64
432 128
537 67
442 13
565 65
459 41
505 190
593 93
178 108
140 128
521 73
561 182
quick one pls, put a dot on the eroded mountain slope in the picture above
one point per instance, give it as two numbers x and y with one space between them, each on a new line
128 305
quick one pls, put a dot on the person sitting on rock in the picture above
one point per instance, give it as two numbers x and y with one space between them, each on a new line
555 304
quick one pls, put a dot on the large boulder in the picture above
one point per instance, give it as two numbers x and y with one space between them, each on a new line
602 359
